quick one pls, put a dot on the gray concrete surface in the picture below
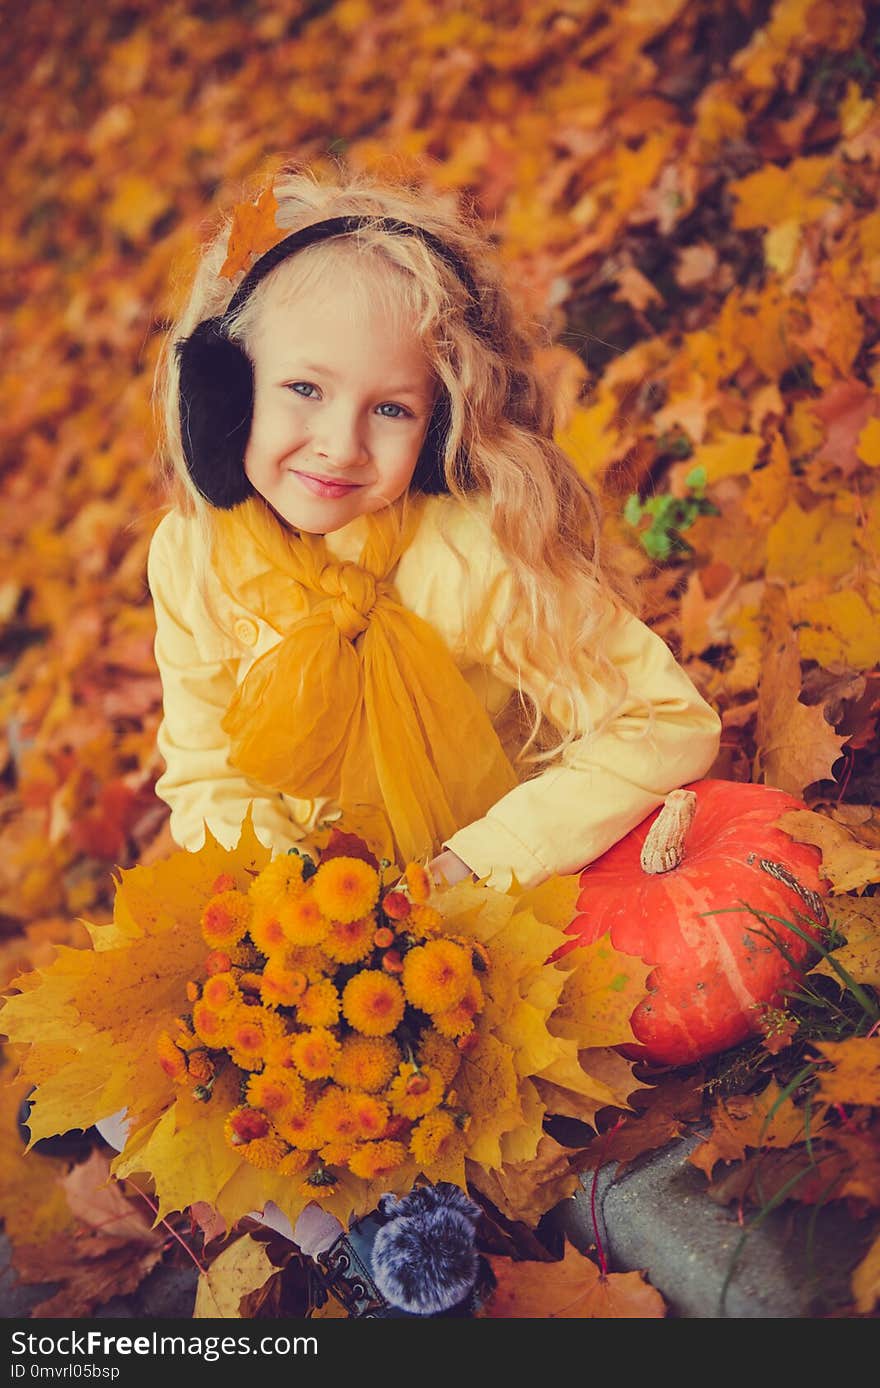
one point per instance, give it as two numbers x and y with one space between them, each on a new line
657 1218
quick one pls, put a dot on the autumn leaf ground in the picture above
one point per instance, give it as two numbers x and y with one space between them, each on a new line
686 195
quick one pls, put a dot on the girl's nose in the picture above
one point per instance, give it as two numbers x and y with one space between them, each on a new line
339 437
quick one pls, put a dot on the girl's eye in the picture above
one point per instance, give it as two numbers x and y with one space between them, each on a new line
308 391
301 387
401 412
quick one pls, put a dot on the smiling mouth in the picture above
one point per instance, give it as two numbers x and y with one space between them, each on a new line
323 487
328 481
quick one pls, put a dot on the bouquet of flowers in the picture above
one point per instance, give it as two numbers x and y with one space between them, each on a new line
324 1026
341 1014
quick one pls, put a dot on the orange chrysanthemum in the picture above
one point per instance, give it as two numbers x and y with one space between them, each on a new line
459 1020
277 1091
335 1116
337 1153
218 962
310 960
267 931
303 921
278 1052
225 919
436 1138
266 1153
423 922
280 880
171 1058
280 986
436 975
349 941
185 1037
377 1159
371 1114
414 1092
319 1005
245 1124
299 1129
441 1053
345 888
418 881
209 1026
250 1030
366 1062
220 992
373 1003
314 1053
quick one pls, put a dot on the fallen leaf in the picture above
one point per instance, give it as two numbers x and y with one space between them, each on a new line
859 920
855 1077
846 863
604 986
240 1269
254 230
795 744
571 1289
747 1120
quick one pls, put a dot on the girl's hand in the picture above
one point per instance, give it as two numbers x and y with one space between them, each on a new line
447 869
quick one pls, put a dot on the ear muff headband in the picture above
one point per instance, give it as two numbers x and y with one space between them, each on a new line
217 378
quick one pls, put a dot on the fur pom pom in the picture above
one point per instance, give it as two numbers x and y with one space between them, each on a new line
425 1260
427 1199
216 405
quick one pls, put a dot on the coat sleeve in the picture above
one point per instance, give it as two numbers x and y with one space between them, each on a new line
661 737
198 783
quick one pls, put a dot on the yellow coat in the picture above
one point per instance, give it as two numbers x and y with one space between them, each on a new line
555 822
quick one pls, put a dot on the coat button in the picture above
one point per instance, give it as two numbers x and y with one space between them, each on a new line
246 631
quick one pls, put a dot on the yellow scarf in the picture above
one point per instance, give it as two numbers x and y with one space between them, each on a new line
361 699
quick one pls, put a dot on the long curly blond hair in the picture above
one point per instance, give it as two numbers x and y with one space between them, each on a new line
499 445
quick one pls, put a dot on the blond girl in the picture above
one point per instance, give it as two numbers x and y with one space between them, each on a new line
379 592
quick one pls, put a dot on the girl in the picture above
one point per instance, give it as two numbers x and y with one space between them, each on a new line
380 591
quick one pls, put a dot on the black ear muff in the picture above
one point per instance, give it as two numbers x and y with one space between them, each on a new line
216 407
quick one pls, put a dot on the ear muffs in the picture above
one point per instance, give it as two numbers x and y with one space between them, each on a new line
217 375
216 407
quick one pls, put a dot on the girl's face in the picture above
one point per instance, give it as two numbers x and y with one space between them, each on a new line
342 400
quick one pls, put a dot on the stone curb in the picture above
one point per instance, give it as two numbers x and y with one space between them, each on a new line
656 1217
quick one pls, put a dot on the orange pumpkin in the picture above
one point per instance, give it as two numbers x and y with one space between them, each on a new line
713 972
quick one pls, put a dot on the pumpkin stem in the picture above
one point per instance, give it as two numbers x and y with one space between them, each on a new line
663 848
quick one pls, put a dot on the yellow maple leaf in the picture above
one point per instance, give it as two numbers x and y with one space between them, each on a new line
600 995
836 628
525 1190
847 864
732 455
859 920
773 196
35 1209
806 544
241 1268
855 1078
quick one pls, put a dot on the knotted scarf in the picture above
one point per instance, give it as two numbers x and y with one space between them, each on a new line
361 700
